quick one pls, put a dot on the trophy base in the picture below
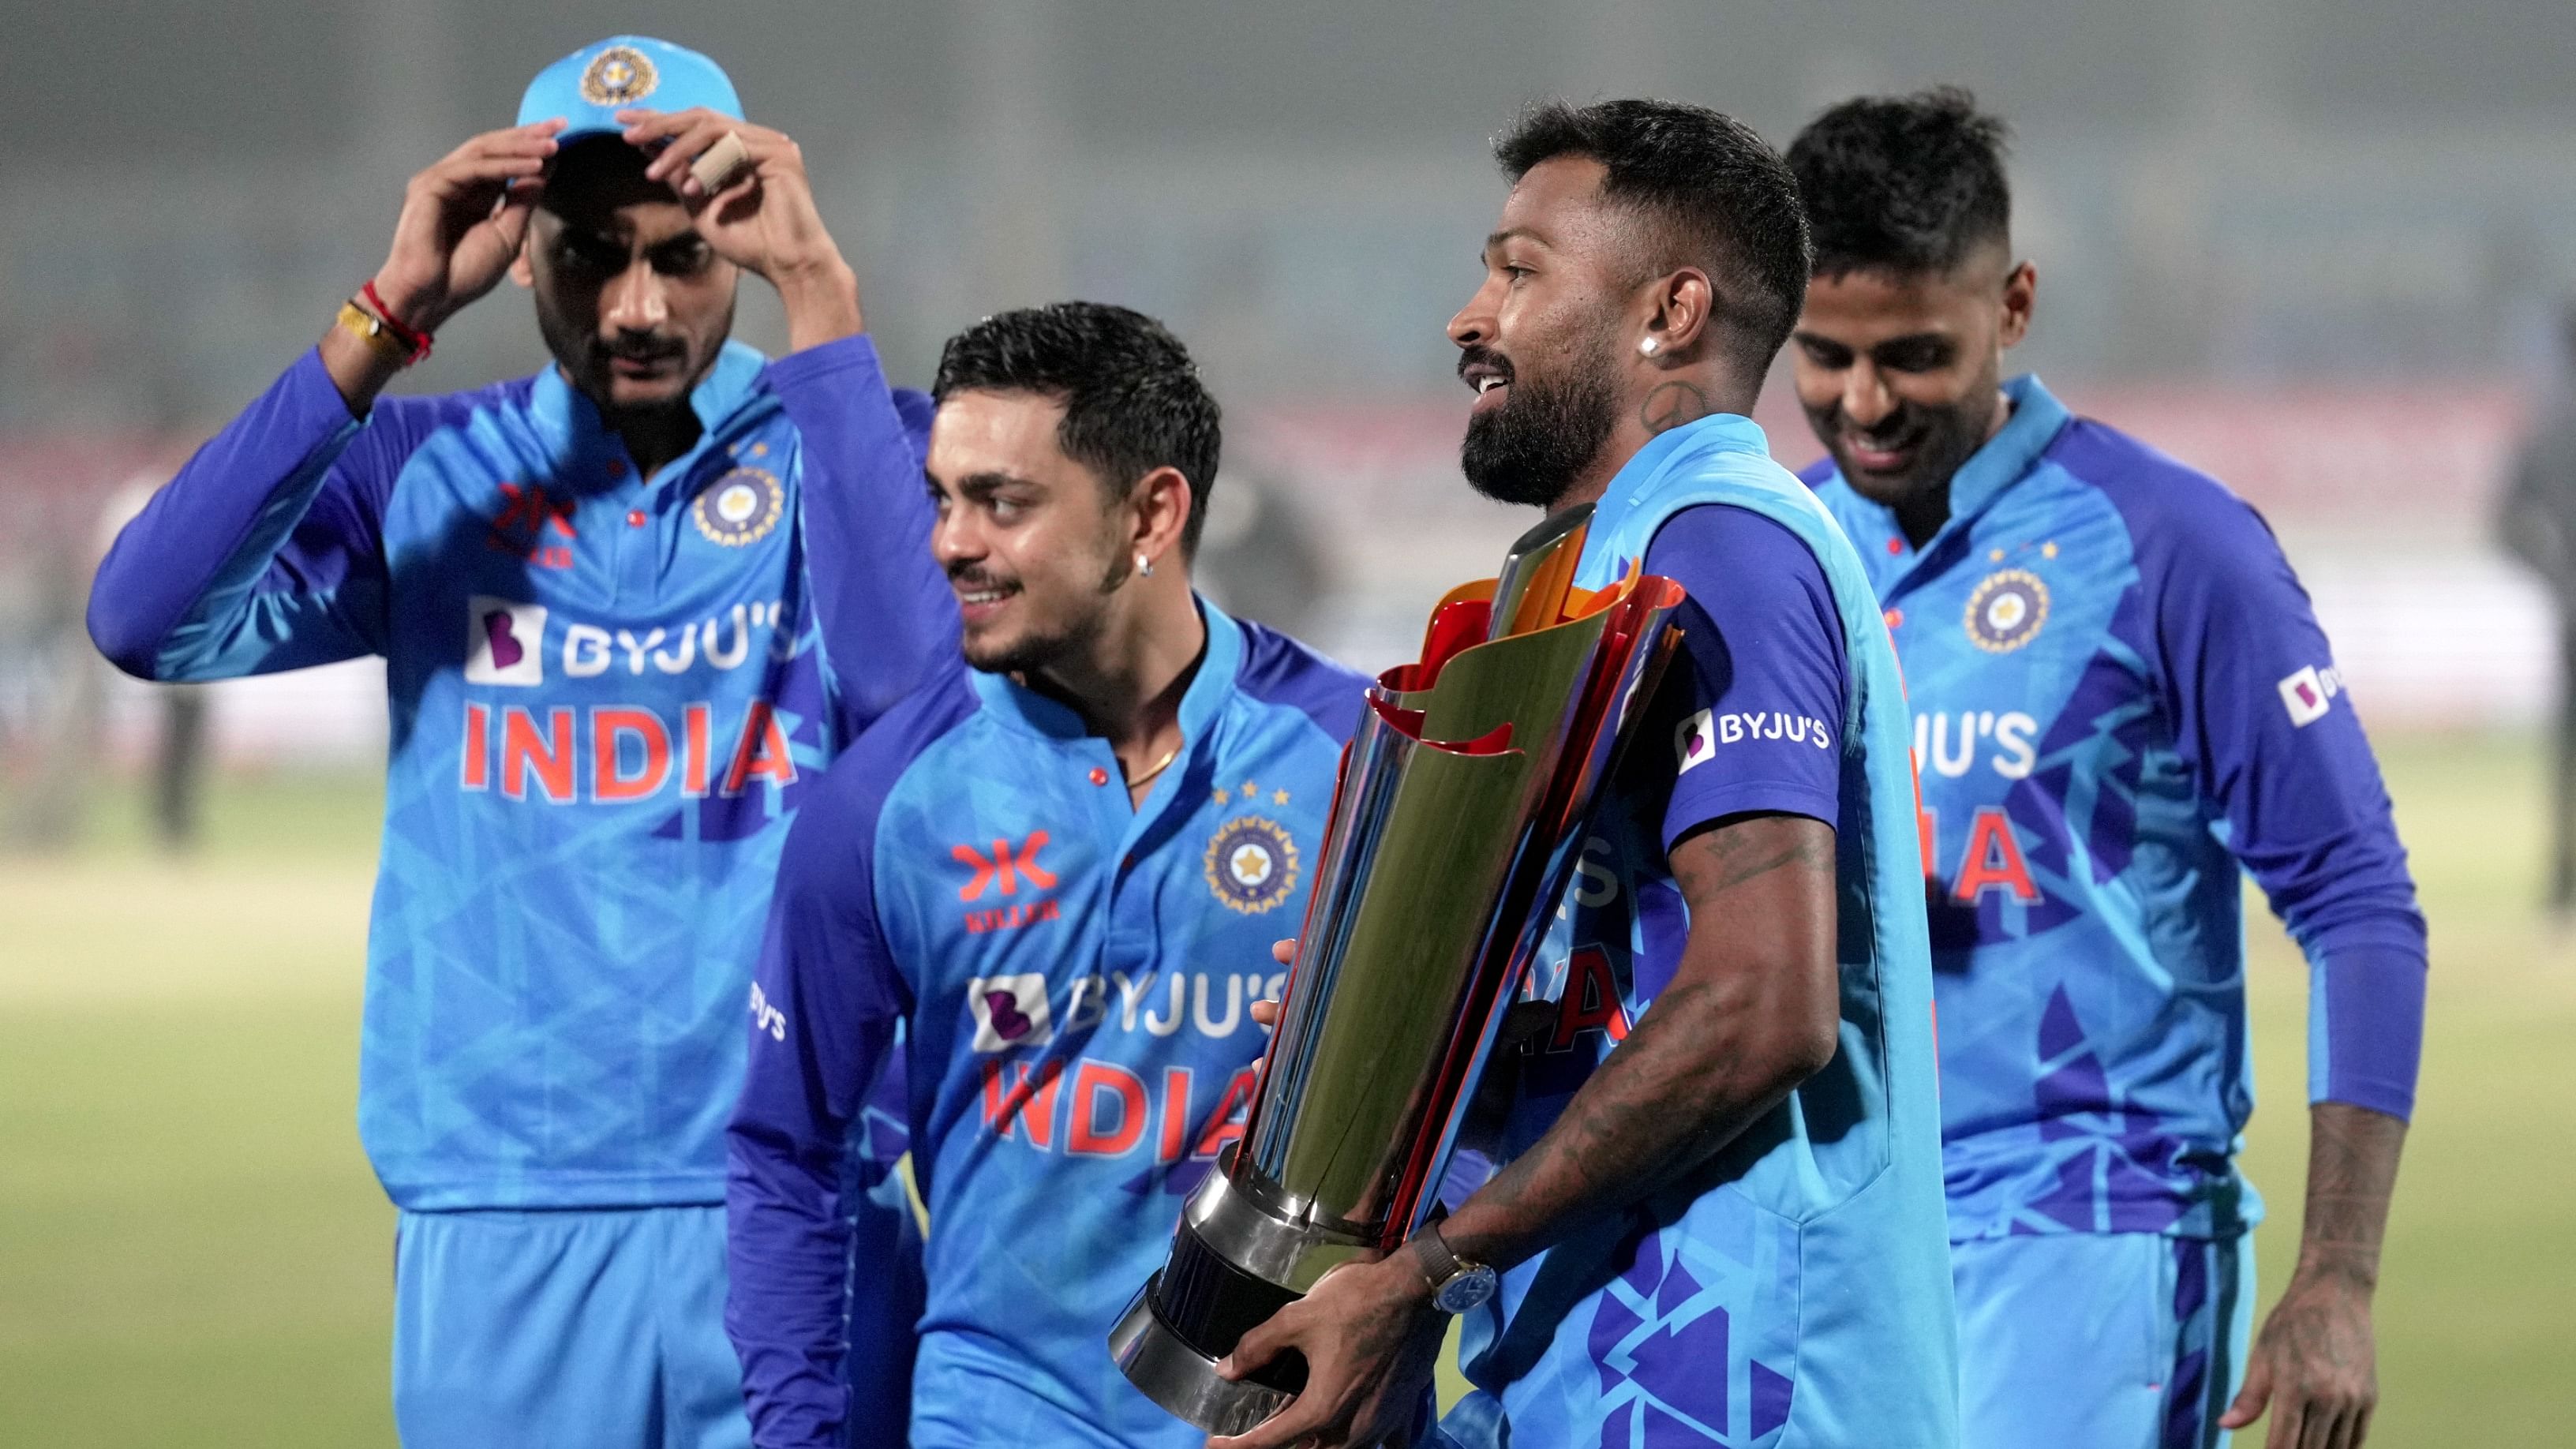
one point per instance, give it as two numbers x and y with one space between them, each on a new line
1183 1381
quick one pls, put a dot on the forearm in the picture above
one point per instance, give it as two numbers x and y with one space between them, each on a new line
1751 1011
884 609
822 302
2352 1173
1684 1084
787 1251
182 575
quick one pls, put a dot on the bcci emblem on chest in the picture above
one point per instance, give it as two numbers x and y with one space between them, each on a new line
739 508
2006 610
1251 864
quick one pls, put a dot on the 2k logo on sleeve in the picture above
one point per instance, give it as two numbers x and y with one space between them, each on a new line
1010 1011
505 643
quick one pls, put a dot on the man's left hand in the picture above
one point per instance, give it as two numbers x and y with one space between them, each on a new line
761 218
1370 1336
2314 1364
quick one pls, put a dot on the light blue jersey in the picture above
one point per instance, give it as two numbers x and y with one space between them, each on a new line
1076 975
607 697
1795 1291
2121 696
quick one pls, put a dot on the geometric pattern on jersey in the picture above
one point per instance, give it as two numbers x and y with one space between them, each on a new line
1075 976
602 720
1796 1288
2091 645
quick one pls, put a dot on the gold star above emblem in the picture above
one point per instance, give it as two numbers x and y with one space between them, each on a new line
1994 555
1223 794
1250 789
1278 797
760 450
2048 549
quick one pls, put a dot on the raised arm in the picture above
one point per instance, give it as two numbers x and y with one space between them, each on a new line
886 614
266 552
2266 727
823 1009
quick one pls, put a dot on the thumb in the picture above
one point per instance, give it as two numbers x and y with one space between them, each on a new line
2251 1399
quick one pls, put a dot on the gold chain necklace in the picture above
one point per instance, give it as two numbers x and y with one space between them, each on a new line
1165 763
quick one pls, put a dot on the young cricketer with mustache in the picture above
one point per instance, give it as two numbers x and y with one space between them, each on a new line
1047 867
612 675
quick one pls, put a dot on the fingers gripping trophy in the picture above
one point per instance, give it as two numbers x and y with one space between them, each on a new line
1453 829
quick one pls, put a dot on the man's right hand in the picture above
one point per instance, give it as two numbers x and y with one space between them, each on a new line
462 224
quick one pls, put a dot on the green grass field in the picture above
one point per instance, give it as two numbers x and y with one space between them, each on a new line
192 1249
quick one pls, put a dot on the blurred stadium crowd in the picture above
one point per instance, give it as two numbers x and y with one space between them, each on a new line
2323 262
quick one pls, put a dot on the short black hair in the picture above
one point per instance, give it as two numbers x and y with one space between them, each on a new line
1132 398
1903 184
1718 193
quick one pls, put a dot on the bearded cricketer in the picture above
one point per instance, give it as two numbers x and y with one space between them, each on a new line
1718 1215
1044 867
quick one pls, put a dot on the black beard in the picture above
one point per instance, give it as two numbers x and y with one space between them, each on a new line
1531 449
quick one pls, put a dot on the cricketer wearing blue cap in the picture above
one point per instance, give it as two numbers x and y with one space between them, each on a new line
1062 870
1718 1215
2120 698
629 608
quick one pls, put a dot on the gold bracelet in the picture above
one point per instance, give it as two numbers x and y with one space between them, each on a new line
371 330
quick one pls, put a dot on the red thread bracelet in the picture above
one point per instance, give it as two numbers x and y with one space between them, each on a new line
409 336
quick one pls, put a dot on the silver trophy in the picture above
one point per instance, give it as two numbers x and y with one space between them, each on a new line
1454 827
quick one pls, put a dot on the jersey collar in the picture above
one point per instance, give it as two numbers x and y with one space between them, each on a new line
1632 486
571 420
2007 457
1026 709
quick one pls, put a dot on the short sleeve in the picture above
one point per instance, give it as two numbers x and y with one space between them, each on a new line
1763 670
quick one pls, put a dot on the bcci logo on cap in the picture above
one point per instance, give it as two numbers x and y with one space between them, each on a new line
2007 610
1251 864
618 76
739 508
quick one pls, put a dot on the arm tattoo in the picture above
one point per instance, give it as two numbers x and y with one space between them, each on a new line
1692 1073
2352 1173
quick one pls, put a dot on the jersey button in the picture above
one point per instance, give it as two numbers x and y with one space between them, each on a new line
1099 776
635 518
1896 618
1895 546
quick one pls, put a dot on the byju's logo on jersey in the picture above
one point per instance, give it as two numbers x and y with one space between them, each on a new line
740 508
1695 742
505 642
1251 864
2006 610
2309 693
1010 1011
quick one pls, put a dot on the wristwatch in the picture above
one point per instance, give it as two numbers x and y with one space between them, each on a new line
1457 1285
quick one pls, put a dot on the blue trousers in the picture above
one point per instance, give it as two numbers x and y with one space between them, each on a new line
2103 1340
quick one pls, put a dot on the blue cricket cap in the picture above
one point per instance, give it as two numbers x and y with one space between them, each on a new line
591 85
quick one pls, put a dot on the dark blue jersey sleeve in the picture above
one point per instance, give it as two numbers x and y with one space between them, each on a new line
826 1000
266 552
1762 649
2263 722
887 616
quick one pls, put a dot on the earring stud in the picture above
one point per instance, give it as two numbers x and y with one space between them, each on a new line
1645 347
1144 566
